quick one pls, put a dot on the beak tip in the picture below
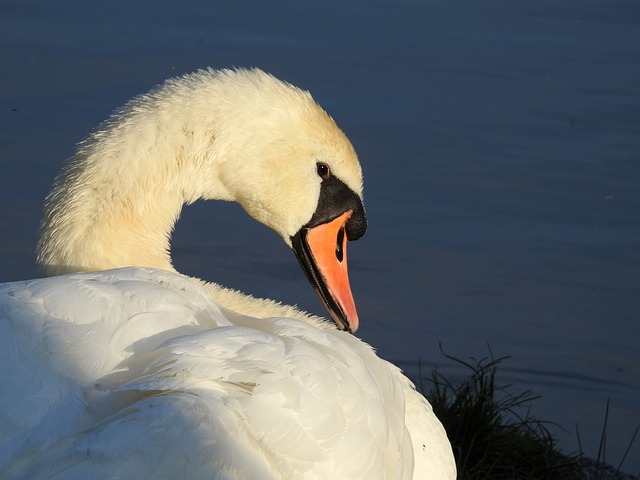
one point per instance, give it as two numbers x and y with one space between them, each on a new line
343 323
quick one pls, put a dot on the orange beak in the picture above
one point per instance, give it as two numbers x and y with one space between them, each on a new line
322 252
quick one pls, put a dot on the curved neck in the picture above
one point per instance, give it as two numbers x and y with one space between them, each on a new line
114 208
117 202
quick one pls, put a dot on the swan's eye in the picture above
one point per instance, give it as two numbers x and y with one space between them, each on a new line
323 171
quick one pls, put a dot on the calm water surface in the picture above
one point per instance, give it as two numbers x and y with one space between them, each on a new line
500 144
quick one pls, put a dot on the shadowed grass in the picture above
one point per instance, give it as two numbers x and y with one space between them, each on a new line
491 436
599 469
493 439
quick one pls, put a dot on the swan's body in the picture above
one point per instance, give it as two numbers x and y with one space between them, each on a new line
144 373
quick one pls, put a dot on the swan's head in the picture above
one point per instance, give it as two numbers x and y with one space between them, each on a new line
290 167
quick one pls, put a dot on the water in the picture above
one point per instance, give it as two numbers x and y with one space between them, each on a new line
500 142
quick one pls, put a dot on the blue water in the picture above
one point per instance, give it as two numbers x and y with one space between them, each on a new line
500 142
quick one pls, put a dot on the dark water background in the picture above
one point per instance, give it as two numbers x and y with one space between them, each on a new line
500 142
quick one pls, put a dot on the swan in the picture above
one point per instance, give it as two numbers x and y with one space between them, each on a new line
116 366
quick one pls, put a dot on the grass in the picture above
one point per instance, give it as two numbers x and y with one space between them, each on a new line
600 469
493 434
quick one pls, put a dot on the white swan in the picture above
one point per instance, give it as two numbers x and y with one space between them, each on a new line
145 373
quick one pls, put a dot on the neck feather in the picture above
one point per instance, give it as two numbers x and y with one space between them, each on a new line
116 203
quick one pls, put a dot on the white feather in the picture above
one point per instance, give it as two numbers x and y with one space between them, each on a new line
152 380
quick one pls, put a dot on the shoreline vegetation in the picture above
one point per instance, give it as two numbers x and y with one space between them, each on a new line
495 436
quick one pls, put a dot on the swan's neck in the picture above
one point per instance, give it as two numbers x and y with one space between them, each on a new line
117 202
